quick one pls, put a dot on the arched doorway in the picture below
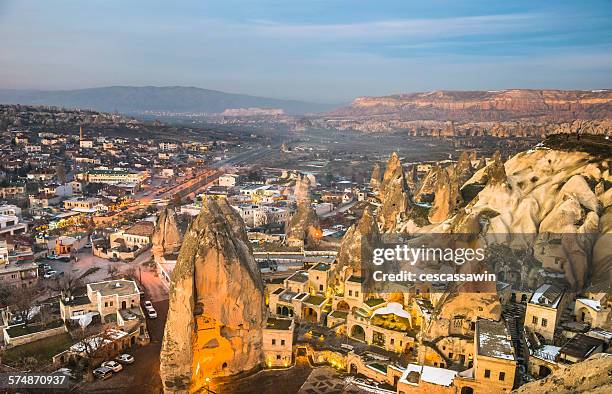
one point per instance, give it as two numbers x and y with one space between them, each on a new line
353 369
544 371
310 314
584 315
467 390
358 332
343 306
524 298
284 310
123 304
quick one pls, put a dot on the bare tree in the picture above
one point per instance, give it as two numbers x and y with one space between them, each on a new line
66 284
21 301
94 345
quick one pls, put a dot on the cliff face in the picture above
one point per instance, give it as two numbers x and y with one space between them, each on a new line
504 114
479 106
206 335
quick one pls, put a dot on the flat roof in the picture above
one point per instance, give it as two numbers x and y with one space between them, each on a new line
581 346
300 276
321 267
274 323
493 340
314 300
120 287
414 373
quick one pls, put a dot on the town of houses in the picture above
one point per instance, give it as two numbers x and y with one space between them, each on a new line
78 221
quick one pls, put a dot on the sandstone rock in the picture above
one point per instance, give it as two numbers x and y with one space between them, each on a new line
216 309
601 271
447 198
168 236
481 164
376 177
427 185
359 240
589 376
302 189
411 178
303 228
538 192
507 105
393 171
395 196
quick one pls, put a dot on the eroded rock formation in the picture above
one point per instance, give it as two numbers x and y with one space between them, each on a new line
168 235
548 194
303 228
590 376
394 196
360 240
375 178
217 308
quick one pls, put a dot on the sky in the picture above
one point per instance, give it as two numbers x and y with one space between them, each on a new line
322 51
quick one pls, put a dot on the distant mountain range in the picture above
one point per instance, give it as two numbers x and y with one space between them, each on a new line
140 100
483 106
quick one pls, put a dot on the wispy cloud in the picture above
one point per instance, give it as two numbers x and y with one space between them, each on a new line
418 27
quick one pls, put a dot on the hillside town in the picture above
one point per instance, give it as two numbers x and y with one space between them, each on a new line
98 233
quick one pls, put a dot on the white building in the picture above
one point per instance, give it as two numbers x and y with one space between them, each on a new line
252 215
168 146
10 210
228 180
86 144
9 224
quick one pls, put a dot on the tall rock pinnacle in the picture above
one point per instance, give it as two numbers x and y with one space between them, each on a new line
375 178
394 195
167 236
360 240
217 309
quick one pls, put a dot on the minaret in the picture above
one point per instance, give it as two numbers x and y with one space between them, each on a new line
81 133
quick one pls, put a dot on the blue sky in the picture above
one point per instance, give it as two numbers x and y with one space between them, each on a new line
325 51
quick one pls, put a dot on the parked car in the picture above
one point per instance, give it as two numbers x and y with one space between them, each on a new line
88 245
103 373
49 274
125 358
151 313
148 304
113 365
